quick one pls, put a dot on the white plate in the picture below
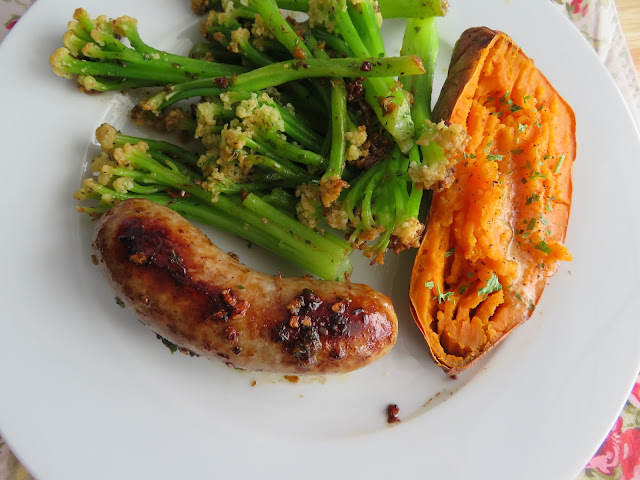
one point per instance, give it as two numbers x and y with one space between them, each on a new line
87 392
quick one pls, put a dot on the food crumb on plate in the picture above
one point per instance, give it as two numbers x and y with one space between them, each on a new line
392 413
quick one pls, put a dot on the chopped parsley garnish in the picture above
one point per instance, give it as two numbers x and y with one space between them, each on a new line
505 96
120 302
559 164
428 285
526 98
522 127
171 346
532 306
518 296
442 297
493 285
240 287
491 158
549 208
543 247
449 252
533 198
515 107
543 220
535 175
532 223
462 288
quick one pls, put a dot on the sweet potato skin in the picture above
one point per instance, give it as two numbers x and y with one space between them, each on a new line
507 211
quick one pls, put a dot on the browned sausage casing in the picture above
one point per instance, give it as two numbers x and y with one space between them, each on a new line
191 293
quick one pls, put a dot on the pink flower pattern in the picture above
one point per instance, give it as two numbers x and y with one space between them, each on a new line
608 456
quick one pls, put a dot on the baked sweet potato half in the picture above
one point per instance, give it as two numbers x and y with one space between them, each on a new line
494 237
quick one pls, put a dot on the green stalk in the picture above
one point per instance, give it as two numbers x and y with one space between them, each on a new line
282 167
413 8
159 146
299 131
105 84
283 149
290 70
282 200
281 29
338 128
326 243
421 38
364 19
388 8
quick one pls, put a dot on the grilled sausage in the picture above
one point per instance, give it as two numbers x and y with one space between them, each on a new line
196 296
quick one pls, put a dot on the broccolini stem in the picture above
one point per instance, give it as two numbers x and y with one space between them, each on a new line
279 147
421 38
327 265
299 131
334 42
338 128
364 19
109 57
281 29
282 200
290 70
91 84
282 167
356 191
327 260
327 243
109 137
65 65
413 9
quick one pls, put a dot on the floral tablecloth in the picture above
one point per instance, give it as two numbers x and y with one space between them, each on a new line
619 456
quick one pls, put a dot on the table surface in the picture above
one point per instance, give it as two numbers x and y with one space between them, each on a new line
629 11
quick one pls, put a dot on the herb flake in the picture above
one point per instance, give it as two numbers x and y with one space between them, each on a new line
543 247
559 164
493 285
442 297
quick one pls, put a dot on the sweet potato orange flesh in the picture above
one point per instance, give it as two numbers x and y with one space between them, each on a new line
495 236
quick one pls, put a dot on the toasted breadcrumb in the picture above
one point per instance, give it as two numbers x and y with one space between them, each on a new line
309 208
330 189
